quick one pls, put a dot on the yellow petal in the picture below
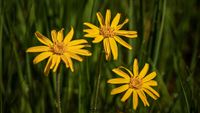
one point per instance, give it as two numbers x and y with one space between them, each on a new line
77 42
151 83
144 71
121 25
116 20
121 73
130 36
82 52
118 81
57 64
54 35
54 60
127 70
149 77
100 19
152 90
69 36
91 35
119 89
125 32
98 39
135 67
108 16
41 57
43 39
106 46
70 63
60 35
150 94
127 95
47 67
74 56
142 97
91 31
38 49
91 26
135 100
114 49
64 59
72 48
122 42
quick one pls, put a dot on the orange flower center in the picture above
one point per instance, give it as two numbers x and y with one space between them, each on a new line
135 83
58 48
107 31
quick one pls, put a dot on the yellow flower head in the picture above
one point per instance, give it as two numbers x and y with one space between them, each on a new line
109 33
135 83
60 49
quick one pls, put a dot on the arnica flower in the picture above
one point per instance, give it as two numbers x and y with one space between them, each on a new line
135 84
60 49
109 33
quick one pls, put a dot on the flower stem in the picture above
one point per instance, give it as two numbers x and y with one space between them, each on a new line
58 93
96 91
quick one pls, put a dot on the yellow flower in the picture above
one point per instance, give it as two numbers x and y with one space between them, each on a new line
109 33
60 49
135 83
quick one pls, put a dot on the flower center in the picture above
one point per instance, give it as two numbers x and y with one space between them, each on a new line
107 31
58 48
135 83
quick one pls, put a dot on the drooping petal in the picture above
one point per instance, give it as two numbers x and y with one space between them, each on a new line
116 20
69 36
54 60
152 90
47 67
135 67
70 63
57 64
122 42
82 52
121 73
106 46
114 49
119 89
54 35
74 56
135 100
41 57
38 49
121 25
91 26
43 39
127 95
149 77
118 81
60 35
77 42
98 39
150 94
64 59
142 97
100 19
108 17
144 71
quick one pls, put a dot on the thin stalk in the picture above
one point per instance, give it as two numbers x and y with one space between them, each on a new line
160 34
96 91
58 93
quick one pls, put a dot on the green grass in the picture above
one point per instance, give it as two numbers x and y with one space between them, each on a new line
168 39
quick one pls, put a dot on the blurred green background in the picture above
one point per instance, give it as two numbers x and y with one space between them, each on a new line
168 39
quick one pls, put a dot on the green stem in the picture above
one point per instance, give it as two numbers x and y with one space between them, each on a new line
96 91
58 93
160 34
